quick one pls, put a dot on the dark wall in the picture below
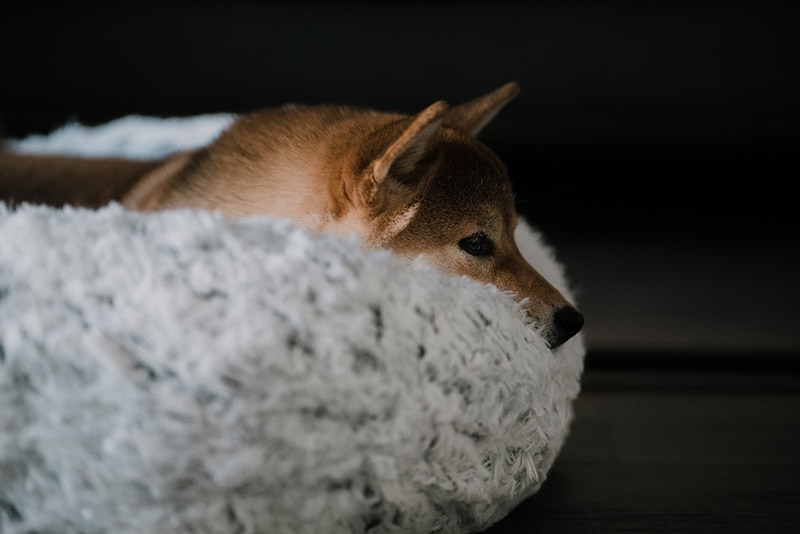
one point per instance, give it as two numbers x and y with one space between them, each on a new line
578 56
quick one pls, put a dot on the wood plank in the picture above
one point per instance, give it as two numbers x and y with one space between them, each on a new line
672 459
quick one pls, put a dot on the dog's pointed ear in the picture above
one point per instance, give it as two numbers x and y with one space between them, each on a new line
472 116
398 174
404 153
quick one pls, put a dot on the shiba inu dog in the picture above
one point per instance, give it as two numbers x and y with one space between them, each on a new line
421 185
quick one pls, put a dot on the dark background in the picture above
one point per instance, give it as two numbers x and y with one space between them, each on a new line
654 143
660 137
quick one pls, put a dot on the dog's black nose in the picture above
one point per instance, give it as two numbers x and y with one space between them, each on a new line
568 322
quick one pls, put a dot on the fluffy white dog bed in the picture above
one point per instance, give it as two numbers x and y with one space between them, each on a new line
178 372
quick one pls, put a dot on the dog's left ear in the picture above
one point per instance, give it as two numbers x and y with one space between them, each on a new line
474 115
398 161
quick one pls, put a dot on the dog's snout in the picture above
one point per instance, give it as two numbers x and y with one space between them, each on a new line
567 321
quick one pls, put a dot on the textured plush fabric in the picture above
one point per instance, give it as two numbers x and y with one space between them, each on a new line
178 372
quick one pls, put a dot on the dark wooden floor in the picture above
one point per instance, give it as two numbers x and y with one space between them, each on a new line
655 450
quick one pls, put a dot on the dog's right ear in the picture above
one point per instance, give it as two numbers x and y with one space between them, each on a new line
472 116
392 173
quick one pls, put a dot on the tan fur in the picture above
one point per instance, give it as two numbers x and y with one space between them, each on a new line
61 180
418 185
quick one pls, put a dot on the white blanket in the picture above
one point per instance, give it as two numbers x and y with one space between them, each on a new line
178 372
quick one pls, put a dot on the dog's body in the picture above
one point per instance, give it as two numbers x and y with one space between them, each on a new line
419 185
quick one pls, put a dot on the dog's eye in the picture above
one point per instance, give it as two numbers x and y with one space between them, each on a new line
478 244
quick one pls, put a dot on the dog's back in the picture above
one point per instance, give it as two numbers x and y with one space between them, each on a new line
281 161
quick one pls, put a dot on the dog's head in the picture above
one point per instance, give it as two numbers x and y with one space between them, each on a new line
430 189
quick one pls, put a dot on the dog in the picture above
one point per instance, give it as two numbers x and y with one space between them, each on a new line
420 185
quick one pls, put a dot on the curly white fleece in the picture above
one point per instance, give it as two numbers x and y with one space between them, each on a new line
178 372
